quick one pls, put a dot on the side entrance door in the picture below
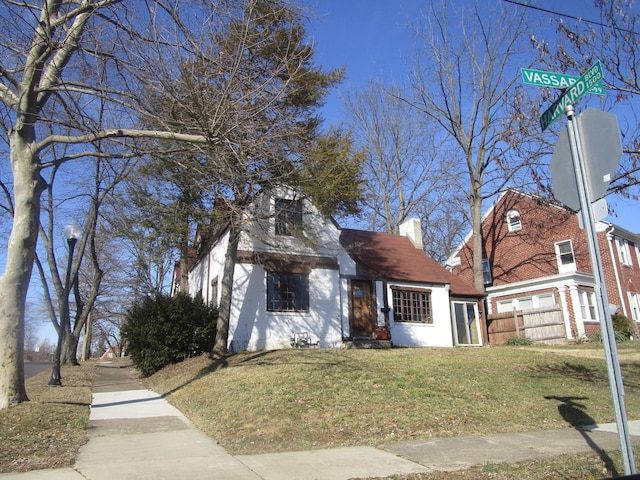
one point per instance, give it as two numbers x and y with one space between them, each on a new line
363 320
466 324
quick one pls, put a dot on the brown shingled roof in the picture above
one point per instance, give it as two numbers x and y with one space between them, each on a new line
393 257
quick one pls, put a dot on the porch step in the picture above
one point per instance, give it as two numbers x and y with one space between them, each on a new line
366 342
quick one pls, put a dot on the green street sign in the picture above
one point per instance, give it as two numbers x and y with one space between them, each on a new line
571 95
555 80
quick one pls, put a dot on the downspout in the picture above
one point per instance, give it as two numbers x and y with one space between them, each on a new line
615 270
208 278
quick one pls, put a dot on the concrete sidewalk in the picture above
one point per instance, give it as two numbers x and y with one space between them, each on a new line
135 434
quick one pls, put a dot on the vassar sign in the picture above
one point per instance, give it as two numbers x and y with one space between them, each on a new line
555 80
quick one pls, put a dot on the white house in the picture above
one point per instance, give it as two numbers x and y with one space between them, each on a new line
301 280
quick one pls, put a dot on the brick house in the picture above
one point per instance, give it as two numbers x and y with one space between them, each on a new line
536 256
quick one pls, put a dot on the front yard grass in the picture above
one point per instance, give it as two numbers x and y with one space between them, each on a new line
307 399
47 431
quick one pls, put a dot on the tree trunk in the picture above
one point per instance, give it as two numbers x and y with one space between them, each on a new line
226 290
14 282
71 341
86 340
475 204
73 337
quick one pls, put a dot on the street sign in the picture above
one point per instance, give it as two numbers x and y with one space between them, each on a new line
601 152
555 80
576 130
601 149
570 96
600 210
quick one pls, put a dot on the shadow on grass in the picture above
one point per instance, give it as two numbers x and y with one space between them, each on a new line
261 358
318 357
62 402
577 371
217 363
574 413
631 374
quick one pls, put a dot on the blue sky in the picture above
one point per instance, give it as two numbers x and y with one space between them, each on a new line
372 39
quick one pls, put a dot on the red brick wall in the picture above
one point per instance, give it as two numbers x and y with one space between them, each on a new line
528 253
629 275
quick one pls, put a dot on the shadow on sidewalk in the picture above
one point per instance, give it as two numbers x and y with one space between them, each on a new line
574 413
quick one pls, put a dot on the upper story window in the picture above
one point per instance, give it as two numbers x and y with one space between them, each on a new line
564 256
624 253
288 215
513 221
486 272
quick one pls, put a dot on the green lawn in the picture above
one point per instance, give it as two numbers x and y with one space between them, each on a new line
302 399
306 399
47 431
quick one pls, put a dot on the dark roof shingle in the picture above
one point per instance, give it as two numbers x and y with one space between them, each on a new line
393 257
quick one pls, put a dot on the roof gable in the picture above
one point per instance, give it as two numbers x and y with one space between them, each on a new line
393 257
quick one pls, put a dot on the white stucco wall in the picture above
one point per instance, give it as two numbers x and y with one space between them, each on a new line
437 334
252 327
208 268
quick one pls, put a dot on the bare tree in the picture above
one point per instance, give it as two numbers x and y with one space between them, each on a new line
59 57
405 163
612 38
464 76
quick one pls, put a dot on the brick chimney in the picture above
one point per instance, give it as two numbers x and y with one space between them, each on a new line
412 229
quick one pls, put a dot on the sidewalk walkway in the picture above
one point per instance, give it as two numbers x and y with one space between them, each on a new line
135 434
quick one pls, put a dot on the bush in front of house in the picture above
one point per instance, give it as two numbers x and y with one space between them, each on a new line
519 342
623 329
624 326
162 330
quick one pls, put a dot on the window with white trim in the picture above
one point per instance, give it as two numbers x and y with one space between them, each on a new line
506 306
486 272
634 302
624 254
564 256
513 221
411 305
526 303
588 305
638 253
546 300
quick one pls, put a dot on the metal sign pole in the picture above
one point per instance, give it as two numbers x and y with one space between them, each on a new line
602 302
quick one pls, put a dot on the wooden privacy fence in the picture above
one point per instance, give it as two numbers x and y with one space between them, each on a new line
540 325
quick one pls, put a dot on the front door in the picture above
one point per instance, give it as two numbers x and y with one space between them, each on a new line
363 320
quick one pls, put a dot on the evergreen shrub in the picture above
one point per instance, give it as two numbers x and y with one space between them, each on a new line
161 330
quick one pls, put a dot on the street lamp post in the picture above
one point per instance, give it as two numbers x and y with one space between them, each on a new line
71 233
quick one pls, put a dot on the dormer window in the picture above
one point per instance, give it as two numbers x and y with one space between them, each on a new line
513 221
288 215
